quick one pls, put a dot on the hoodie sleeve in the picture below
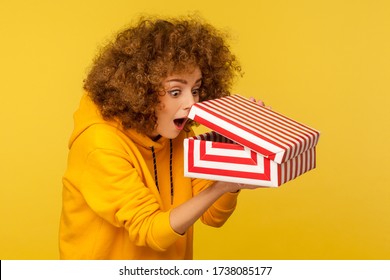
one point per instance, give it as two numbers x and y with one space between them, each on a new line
113 189
221 210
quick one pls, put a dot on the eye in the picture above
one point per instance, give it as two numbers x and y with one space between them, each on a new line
174 92
196 91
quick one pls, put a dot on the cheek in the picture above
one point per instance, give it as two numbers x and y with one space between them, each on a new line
163 114
160 109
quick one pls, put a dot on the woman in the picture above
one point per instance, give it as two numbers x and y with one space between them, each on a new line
124 193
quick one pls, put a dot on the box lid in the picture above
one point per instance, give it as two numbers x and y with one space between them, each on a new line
265 131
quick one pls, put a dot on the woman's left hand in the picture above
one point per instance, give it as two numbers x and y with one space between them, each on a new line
260 102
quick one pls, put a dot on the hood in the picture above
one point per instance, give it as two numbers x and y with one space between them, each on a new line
88 115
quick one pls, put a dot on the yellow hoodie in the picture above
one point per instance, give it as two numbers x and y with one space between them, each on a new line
112 208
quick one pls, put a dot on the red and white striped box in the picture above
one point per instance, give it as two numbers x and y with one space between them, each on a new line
249 144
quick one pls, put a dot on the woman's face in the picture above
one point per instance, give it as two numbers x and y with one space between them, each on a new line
180 92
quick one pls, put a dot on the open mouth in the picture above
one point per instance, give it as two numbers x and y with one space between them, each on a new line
179 123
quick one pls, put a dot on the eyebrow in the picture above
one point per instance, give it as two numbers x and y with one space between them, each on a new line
184 81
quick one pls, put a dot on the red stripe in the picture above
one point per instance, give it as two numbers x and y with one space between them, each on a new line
190 154
227 159
293 168
231 173
222 158
285 172
228 173
307 161
314 157
312 163
227 146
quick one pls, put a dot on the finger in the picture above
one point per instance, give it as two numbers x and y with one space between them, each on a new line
250 187
260 102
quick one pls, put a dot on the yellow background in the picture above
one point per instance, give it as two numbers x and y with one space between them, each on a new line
324 63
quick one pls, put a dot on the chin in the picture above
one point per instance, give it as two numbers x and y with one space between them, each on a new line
170 135
173 136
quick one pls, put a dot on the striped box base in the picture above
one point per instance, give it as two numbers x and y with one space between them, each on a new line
215 157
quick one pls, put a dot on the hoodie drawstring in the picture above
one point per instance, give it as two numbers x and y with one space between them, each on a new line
170 168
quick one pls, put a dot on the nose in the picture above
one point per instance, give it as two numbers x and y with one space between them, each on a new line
190 100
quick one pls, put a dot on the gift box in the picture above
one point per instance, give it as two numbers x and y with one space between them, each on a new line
248 144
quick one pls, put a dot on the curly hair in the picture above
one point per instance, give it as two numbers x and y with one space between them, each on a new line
126 76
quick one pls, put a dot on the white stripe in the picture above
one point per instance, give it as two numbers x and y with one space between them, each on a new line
210 150
186 155
259 168
293 163
264 183
274 173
